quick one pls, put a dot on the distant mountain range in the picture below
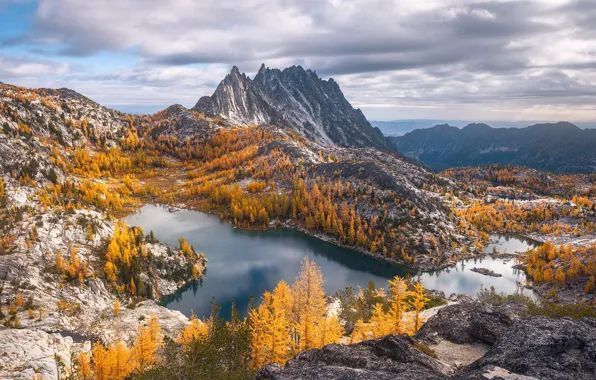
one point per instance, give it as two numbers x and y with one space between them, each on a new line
294 98
401 127
561 148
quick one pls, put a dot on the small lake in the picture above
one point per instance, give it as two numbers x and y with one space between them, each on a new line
244 264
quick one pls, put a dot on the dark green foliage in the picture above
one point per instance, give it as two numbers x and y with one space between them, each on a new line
544 307
554 310
223 354
352 307
52 176
491 297
434 301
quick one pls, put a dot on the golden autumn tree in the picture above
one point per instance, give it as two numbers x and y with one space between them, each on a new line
101 365
116 308
83 367
155 331
144 350
283 298
119 361
309 304
19 301
418 301
398 305
328 330
195 329
380 324
360 332
270 329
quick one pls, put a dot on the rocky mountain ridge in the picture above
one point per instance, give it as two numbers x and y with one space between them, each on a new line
294 98
560 147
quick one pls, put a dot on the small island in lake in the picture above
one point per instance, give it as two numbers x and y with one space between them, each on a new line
486 272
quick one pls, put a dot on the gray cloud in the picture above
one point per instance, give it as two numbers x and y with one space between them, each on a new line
521 56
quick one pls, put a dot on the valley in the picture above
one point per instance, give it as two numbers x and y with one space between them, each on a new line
304 184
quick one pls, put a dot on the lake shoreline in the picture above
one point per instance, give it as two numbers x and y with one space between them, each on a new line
275 225
280 250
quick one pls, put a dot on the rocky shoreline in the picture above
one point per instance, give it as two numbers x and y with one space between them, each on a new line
420 265
54 311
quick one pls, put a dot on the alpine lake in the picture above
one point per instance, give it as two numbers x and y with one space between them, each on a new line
244 264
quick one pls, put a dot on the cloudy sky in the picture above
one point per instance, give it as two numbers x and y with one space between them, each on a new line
395 59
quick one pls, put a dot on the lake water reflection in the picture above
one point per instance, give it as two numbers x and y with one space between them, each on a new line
244 264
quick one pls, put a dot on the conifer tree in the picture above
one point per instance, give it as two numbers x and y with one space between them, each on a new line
308 303
418 301
118 359
143 353
195 329
271 342
398 306
101 364
116 308
83 367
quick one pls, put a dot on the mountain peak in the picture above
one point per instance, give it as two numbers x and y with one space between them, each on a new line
561 125
293 98
477 127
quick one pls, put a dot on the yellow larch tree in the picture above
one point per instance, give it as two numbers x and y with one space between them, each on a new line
360 332
398 305
380 324
282 298
270 334
19 301
195 329
328 330
155 330
309 304
419 299
144 351
116 308
119 361
101 364
83 367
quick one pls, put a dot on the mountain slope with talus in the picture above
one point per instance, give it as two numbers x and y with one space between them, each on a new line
294 98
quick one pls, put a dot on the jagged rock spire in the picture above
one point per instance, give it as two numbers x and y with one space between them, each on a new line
294 98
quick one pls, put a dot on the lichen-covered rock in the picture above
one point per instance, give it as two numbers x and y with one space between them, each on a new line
542 348
516 349
25 352
391 357
470 321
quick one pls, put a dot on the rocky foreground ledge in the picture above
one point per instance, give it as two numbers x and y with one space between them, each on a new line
469 340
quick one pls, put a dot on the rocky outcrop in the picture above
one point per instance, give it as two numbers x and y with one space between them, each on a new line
541 348
515 348
470 321
391 357
25 353
294 98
